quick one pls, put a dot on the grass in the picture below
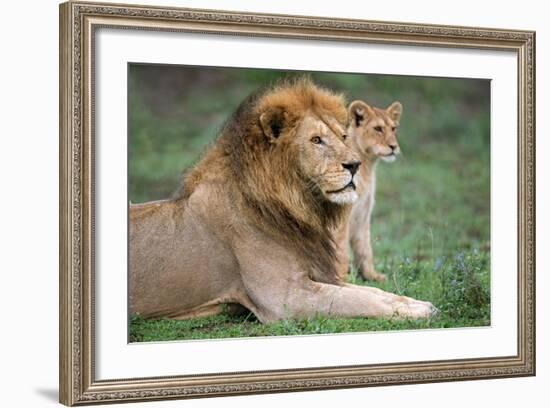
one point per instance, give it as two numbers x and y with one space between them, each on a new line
431 229
458 286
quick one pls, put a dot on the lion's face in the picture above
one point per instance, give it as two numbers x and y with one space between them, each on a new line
374 130
327 159
320 151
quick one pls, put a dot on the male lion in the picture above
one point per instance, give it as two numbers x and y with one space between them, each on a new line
373 132
251 224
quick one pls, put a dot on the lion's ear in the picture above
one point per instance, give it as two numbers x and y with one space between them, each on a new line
273 122
395 110
359 111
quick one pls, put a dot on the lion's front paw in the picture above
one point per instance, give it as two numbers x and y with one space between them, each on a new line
414 309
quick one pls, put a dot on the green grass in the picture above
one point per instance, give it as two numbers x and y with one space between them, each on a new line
431 230
458 286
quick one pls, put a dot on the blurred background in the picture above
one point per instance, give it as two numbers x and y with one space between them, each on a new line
431 223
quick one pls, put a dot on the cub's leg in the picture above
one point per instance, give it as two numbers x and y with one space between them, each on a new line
360 241
341 239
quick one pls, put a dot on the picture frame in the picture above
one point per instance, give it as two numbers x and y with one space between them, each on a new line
79 24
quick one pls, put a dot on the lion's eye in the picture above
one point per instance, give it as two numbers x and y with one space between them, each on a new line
393 129
378 128
344 137
316 140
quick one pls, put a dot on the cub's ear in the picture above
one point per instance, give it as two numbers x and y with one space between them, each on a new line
273 121
359 111
395 110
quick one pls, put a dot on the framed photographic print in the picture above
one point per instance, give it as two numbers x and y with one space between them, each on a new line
218 179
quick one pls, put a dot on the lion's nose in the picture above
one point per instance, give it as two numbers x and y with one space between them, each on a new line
352 166
393 147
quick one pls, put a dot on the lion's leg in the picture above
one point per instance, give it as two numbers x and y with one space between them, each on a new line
388 296
278 288
203 311
372 299
314 299
360 240
231 309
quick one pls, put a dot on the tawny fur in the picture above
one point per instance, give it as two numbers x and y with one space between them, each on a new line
276 200
374 135
253 222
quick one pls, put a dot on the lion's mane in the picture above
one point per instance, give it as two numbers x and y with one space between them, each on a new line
266 180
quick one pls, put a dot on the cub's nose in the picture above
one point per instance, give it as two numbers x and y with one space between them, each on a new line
352 166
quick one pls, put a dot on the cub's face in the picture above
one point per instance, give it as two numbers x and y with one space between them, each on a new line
374 130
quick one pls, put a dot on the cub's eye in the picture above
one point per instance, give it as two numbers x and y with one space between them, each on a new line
378 128
344 137
393 129
316 140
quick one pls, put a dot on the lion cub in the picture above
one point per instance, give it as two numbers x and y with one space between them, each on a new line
374 135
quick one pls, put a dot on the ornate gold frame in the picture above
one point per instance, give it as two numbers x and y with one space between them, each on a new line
78 22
